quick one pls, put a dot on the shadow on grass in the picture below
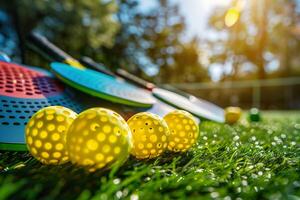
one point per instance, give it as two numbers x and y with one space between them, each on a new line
69 181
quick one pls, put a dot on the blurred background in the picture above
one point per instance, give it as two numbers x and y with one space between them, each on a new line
231 52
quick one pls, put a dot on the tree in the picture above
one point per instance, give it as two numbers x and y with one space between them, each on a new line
79 27
147 41
259 36
186 66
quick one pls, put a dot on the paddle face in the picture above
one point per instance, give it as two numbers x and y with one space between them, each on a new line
199 108
23 91
102 85
213 111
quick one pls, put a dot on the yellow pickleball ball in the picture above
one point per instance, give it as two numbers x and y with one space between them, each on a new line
46 134
184 130
149 135
98 138
232 114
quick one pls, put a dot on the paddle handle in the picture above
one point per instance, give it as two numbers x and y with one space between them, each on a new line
43 46
134 79
87 61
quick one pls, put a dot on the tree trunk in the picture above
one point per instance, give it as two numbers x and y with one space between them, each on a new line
263 12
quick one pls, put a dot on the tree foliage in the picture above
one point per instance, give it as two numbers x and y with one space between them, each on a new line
260 39
79 27
119 34
149 43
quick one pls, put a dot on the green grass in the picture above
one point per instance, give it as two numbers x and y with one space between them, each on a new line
244 161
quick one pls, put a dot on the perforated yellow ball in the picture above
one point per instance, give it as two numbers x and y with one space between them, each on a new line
149 135
232 114
184 130
46 134
98 138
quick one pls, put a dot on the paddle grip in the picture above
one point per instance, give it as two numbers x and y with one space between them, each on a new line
89 62
134 79
42 45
